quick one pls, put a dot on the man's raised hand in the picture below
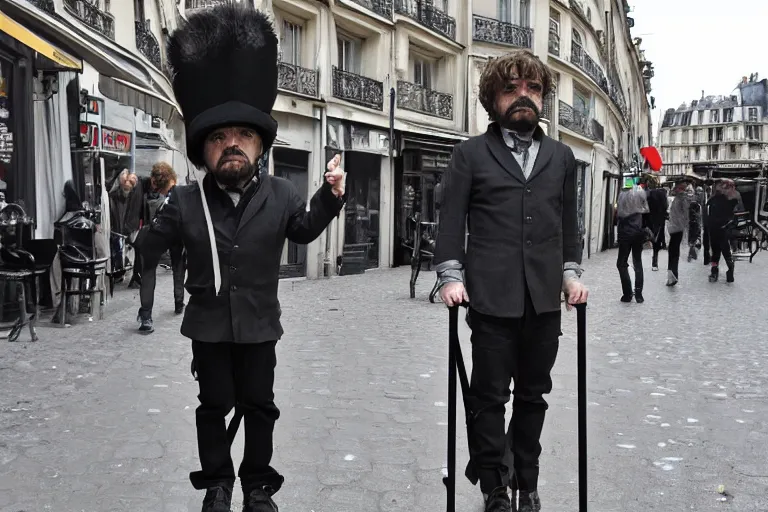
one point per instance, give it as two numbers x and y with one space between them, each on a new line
335 176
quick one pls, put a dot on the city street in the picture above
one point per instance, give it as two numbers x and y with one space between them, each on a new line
97 418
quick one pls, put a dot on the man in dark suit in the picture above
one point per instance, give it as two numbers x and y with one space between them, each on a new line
234 221
515 190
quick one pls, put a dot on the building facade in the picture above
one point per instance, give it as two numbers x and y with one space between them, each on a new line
389 84
725 131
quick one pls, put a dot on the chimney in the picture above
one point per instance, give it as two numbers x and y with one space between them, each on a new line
702 94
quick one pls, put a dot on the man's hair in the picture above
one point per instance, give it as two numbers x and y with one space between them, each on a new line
162 175
501 70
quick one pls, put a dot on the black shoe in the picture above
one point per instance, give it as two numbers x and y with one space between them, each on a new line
714 274
145 325
626 298
729 275
529 501
259 500
498 501
639 297
218 499
179 308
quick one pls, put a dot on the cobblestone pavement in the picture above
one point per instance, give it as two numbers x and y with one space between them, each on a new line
97 418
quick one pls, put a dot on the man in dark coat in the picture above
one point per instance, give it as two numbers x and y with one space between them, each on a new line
233 222
515 189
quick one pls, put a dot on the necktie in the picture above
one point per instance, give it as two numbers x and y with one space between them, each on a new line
521 146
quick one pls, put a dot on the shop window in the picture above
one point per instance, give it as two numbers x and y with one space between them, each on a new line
350 54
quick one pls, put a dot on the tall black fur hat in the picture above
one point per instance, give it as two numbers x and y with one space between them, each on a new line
224 65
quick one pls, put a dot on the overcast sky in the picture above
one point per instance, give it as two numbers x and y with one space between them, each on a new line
700 44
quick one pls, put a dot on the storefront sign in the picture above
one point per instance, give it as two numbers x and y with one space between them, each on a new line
40 45
89 135
114 140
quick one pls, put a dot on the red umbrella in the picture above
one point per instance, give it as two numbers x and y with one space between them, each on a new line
652 156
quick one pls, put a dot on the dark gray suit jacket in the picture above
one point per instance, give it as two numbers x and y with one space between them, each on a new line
520 231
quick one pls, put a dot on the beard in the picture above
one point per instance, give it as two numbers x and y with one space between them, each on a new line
233 174
524 122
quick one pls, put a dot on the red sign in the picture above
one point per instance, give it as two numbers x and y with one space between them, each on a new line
89 134
114 140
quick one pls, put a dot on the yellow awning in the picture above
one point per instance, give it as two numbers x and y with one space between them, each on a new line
40 45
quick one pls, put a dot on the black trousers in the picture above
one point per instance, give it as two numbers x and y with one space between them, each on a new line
149 280
229 374
505 349
675 239
658 244
706 243
635 248
721 245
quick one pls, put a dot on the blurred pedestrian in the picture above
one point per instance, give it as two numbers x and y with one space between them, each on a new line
720 214
633 232
679 212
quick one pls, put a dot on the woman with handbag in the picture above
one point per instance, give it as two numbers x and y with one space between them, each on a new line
678 224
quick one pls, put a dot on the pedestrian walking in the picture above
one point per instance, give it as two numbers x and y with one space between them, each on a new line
126 203
633 232
234 221
515 188
658 208
160 183
720 214
694 224
679 212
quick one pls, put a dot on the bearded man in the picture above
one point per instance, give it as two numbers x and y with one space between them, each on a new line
233 222
515 190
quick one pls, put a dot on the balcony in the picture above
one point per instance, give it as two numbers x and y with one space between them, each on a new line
381 7
494 31
427 15
548 108
554 42
193 5
147 44
293 78
617 95
583 61
358 89
580 123
91 15
418 98
44 5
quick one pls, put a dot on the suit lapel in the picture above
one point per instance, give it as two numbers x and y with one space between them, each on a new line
257 201
546 149
502 153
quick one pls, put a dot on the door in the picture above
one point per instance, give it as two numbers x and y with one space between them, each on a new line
609 226
361 222
293 166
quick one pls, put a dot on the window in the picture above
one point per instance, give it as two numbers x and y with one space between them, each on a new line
423 69
582 102
713 152
290 43
517 12
727 115
714 116
440 5
138 10
577 39
697 154
702 117
711 135
752 114
754 132
695 136
350 51
686 121
719 134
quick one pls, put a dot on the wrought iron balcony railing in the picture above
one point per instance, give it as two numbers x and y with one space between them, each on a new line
616 93
418 98
381 7
548 108
580 123
583 61
44 5
496 31
291 77
427 15
147 44
91 15
192 5
358 89
554 43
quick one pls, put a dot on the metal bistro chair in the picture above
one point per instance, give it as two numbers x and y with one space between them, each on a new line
82 274
423 250
18 266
